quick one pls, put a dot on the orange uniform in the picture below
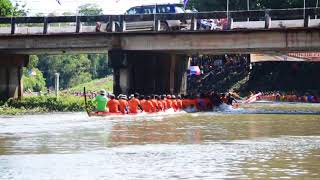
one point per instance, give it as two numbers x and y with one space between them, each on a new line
155 105
142 101
123 105
174 104
113 106
169 103
164 104
160 105
147 106
179 103
133 105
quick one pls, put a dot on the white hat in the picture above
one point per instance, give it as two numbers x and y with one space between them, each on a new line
103 92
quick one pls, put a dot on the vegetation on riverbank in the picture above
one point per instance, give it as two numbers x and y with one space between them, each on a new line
94 85
40 104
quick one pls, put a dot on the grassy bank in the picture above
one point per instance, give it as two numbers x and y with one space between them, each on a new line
94 86
40 104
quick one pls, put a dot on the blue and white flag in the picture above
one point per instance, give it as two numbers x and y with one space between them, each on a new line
185 3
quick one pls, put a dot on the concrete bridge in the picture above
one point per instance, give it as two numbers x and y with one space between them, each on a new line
153 61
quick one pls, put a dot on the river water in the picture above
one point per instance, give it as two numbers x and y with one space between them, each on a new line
259 141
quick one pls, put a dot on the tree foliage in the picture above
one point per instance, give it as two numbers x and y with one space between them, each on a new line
73 69
5 8
90 10
221 5
32 78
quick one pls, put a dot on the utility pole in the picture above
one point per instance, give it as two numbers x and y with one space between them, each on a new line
304 9
317 4
248 8
227 9
56 84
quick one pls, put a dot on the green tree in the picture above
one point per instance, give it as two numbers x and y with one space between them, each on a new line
90 10
5 8
32 78
221 5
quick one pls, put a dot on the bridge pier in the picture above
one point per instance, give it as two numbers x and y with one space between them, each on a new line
11 75
148 72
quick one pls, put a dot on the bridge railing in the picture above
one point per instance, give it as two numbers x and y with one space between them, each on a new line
118 23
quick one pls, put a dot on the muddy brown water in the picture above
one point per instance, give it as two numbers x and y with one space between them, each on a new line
260 141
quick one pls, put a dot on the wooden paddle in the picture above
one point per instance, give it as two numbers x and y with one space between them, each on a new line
85 101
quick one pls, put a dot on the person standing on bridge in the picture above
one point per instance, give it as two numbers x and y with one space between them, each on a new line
101 101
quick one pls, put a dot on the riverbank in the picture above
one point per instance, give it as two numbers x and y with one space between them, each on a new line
43 104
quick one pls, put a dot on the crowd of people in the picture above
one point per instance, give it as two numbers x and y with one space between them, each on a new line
137 103
289 97
218 73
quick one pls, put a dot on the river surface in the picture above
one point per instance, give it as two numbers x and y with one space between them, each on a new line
259 141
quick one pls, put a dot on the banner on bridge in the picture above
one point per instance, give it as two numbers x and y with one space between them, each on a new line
300 56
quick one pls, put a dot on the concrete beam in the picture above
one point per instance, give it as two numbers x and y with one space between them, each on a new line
232 41
248 41
58 43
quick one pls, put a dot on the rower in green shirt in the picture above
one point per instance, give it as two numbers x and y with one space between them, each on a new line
101 101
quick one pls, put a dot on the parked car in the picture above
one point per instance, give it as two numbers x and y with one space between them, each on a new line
166 25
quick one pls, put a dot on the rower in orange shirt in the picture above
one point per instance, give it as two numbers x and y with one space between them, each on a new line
147 105
169 102
113 104
174 103
154 103
179 102
142 101
164 102
134 103
160 104
123 104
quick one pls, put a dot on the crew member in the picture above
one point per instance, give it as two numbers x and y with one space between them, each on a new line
169 102
147 105
113 104
101 101
123 104
134 103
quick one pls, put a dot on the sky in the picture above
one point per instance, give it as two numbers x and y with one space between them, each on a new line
108 6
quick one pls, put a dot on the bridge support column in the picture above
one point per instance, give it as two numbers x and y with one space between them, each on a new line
148 72
11 75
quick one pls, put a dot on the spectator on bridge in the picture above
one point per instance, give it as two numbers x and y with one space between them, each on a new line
98 27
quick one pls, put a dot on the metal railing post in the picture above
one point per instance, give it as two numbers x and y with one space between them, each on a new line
267 20
45 25
230 23
193 23
122 23
157 23
13 25
78 25
306 21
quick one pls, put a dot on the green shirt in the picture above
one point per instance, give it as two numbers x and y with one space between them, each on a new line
101 102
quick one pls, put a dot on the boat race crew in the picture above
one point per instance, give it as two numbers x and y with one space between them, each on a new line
101 101
113 104
137 103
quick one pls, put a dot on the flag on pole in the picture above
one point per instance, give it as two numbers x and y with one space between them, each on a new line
58 1
185 3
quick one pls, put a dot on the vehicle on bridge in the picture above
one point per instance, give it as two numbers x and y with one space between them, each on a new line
166 25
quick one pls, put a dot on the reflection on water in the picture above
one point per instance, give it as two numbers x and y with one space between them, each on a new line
218 145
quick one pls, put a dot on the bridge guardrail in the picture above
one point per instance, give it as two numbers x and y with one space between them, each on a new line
118 22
